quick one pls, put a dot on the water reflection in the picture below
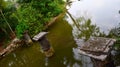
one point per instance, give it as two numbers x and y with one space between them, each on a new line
117 58
76 65
103 13
86 61
115 31
87 18
90 18
46 62
65 61
83 27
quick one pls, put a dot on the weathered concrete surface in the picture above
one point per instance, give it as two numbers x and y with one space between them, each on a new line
97 47
39 36
44 43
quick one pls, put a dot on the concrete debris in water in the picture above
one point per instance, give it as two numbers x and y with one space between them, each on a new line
97 47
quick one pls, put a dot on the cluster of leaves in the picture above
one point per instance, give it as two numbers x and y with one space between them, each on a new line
7 11
33 15
115 33
87 29
7 22
28 18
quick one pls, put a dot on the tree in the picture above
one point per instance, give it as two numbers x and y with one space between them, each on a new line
85 29
33 15
5 12
115 33
6 22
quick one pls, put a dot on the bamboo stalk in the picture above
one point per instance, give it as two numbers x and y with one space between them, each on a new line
74 21
6 22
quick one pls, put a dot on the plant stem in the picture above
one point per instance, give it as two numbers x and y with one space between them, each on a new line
7 22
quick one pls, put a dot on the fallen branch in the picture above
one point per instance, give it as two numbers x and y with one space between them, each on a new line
13 45
53 20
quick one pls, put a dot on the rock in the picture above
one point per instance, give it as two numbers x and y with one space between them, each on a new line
49 53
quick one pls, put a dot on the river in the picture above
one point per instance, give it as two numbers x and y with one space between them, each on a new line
85 18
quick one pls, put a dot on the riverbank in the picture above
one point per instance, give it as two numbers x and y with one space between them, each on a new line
15 43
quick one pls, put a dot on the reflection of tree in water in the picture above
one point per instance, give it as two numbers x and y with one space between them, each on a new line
115 33
82 30
85 28
117 58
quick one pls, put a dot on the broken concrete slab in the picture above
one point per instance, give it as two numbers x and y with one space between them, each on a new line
97 47
39 36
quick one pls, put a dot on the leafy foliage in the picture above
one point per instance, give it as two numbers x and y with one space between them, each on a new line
7 11
21 27
31 15
115 33
88 29
28 20
7 21
34 15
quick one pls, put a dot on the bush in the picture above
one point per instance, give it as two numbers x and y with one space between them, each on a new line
34 15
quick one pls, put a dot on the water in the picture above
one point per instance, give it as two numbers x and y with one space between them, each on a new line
88 18
103 13
60 37
98 15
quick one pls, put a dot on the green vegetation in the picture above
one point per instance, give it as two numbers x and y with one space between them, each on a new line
30 15
7 22
26 15
34 15
115 33
85 27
